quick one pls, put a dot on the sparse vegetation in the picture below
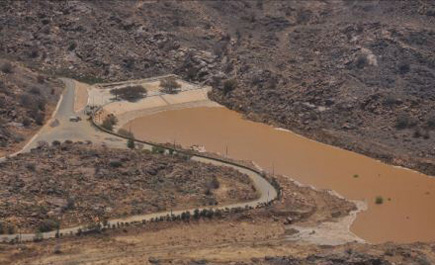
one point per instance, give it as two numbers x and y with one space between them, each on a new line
379 200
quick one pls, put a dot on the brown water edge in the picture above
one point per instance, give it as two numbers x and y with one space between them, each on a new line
407 213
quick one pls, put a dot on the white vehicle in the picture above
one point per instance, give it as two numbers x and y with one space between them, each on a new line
75 118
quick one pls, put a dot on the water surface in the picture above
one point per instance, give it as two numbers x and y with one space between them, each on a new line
407 213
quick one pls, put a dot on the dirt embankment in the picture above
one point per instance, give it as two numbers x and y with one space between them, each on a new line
75 183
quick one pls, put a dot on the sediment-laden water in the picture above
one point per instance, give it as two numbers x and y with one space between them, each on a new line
407 211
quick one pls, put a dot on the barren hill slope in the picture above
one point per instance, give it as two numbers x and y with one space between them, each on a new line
357 74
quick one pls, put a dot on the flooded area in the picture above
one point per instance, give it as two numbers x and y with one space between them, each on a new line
407 211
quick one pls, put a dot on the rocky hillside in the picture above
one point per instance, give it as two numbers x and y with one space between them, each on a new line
75 183
357 74
27 99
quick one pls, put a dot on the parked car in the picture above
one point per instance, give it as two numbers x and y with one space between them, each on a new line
75 119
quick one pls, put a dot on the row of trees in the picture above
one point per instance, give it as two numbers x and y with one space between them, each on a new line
135 93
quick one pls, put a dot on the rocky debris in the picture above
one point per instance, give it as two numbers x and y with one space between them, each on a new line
344 259
76 182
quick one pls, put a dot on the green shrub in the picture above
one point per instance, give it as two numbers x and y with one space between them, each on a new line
131 144
48 225
196 214
158 150
379 200
130 93
109 122
125 133
107 125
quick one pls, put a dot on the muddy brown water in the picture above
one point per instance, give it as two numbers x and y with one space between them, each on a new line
407 213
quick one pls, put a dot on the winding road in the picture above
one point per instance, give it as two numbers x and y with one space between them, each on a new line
60 128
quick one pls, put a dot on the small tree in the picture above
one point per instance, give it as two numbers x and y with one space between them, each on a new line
107 125
48 225
169 86
196 214
109 122
130 93
130 143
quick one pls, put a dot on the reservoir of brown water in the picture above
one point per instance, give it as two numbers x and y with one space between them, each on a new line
407 213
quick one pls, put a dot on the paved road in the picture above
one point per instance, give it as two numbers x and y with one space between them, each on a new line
64 130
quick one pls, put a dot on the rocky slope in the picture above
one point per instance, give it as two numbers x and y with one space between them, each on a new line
26 101
76 183
353 74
